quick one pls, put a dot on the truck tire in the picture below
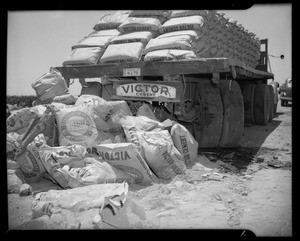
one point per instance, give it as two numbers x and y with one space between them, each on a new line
262 104
248 96
272 96
208 127
233 113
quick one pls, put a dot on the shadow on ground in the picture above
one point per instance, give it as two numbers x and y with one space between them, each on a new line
248 152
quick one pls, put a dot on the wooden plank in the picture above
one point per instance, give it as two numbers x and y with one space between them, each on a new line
161 68
153 68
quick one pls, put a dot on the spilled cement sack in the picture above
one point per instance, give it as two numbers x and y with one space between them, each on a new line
15 180
98 172
129 37
40 109
160 154
175 42
182 23
126 157
12 143
140 122
67 99
82 56
133 24
169 54
102 110
54 158
126 52
19 119
145 110
120 105
111 21
93 41
76 208
30 161
185 143
50 85
76 125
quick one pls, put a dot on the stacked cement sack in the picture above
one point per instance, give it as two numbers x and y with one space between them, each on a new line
136 31
89 49
153 35
203 34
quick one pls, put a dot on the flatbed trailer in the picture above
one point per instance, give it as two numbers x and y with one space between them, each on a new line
213 97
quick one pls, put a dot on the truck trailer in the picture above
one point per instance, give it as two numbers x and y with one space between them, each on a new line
214 98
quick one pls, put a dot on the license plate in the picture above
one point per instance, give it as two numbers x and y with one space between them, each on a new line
146 90
132 72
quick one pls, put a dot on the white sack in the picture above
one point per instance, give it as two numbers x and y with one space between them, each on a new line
80 56
126 52
126 157
185 143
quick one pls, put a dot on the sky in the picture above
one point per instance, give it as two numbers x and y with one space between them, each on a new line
39 40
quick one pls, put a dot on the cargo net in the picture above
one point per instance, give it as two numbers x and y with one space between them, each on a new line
160 35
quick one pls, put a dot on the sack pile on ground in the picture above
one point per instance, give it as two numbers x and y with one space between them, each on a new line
157 35
87 140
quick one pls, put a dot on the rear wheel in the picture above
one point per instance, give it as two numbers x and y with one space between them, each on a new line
272 96
248 96
262 104
233 113
208 126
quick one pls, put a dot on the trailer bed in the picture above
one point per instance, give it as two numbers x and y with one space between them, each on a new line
232 68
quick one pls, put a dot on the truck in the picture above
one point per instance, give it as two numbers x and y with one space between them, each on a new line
214 98
285 91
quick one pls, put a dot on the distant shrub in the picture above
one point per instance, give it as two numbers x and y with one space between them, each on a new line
20 100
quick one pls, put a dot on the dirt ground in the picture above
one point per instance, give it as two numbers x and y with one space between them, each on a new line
249 187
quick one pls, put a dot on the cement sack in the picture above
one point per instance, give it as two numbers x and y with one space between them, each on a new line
140 122
130 37
126 157
161 155
145 110
186 13
133 24
76 125
19 119
182 23
98 172
107 32
169 54
127 52
54 158
175 42
12 143
101 108
50 85
93 41
15 180
84 56
39 109
67 99
30 161
120 105
194 34
143 13
185 143
111 21
77 208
